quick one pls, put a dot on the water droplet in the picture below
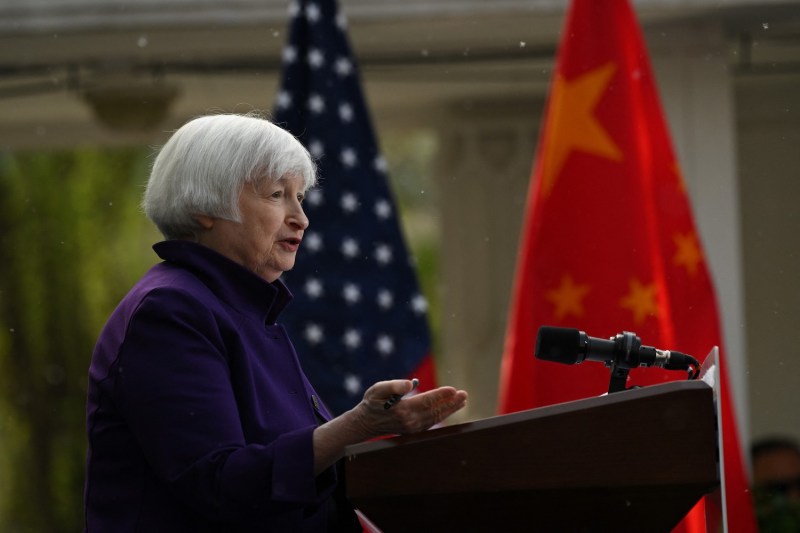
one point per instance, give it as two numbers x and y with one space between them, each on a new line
142 42
765 25
11 330
522 44
424 53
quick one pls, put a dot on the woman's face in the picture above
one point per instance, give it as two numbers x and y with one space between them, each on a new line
272 226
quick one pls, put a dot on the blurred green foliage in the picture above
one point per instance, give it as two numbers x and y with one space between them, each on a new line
776 512
72 243
411 156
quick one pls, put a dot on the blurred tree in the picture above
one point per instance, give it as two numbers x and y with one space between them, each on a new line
72 242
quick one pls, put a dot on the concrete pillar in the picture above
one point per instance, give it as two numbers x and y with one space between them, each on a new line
696 82
769 148
483 170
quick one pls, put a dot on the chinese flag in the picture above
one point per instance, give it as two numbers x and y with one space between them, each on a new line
609 244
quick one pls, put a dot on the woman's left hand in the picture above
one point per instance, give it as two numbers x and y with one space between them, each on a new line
410 415
372 418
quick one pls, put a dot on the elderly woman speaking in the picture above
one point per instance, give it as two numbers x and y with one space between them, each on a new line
199 415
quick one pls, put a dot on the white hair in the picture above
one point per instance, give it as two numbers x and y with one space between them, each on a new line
203 167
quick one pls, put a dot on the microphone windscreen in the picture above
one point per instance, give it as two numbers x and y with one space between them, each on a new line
561 345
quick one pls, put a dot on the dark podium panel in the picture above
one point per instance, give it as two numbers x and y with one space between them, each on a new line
636 460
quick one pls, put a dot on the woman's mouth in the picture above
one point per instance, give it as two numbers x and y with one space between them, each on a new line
291 244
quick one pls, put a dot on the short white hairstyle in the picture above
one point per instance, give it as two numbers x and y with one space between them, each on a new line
203 167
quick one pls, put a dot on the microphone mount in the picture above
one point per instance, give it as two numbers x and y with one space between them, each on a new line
624 345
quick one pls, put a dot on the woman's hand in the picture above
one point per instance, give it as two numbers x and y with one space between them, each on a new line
371 418
412 414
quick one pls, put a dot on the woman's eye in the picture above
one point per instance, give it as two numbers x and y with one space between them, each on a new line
277 194
301 197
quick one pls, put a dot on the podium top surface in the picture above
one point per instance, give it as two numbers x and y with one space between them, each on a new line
628 396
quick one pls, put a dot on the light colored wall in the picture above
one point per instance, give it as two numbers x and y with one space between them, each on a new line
482 176
769 156
696 83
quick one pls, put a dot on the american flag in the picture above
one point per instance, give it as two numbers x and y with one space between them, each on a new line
358 316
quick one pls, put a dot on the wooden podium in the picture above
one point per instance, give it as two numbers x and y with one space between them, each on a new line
636 460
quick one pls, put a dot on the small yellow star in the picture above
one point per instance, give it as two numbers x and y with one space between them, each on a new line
641 300
687 253
571 124
568 298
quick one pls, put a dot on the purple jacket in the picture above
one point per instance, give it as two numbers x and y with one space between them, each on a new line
199 416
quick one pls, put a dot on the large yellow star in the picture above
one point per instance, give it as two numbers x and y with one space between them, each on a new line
571 124
568 298
641 300
687 252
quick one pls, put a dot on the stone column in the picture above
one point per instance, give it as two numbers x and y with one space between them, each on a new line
483 172
696 81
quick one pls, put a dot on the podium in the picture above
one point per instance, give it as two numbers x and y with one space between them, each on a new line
636 460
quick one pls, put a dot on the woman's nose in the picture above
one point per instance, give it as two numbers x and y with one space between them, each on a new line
298 217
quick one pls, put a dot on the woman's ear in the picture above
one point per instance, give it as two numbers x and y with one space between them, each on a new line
205 221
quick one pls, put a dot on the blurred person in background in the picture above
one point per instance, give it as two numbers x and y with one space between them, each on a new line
776 484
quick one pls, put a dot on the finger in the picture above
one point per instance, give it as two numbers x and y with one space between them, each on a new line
401 386
451 403
435 396
408 387
433 407
384 389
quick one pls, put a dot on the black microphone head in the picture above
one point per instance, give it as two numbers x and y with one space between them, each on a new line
561 345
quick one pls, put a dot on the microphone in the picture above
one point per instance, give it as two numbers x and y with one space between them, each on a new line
625 350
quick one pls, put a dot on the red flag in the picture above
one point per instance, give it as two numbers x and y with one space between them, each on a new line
609 243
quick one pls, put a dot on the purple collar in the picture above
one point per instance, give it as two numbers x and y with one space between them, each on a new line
229 281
